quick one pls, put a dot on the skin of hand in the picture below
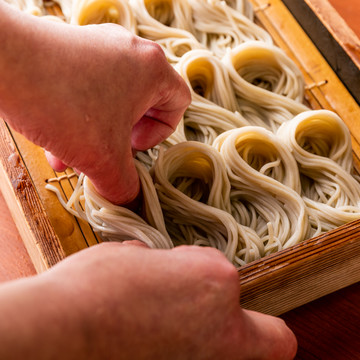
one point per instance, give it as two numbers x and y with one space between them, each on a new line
116 93
116 301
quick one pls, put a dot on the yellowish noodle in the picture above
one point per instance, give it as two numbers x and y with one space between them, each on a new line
268 85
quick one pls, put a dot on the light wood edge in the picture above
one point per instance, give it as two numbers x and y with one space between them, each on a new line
20 194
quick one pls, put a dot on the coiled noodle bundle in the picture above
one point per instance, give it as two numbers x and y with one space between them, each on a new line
193 189
218 26
33 7
158 20
268 85
321 144
103 11
264 175
213 106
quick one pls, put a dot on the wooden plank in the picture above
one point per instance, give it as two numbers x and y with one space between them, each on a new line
73 234
21 196
349 11
337 27
328 327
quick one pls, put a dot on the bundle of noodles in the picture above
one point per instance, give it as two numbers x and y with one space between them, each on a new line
169 23
243 6
265 185
321 144
268 85
193 189
204 123
117 223
170 13
66 8
207 79
213 99
33 7
174 48
218 26
86 12
54 18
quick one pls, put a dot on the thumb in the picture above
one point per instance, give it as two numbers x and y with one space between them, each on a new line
134 243
54 162
268 337
116 179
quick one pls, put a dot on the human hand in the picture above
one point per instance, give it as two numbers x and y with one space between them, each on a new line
89 95
163 304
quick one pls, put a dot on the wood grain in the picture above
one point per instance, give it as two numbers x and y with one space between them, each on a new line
338 27
23 201
305 272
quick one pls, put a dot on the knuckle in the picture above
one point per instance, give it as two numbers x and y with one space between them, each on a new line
211 264
155 54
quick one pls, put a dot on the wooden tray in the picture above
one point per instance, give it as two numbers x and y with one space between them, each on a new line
272 285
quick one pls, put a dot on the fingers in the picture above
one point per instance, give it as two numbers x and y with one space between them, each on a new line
258 336
55 163
149 132
116 179
269 338
134 243
161 120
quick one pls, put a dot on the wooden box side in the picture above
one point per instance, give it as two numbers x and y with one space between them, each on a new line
307 271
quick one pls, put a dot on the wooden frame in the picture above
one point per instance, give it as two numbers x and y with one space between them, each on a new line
272 285
334 39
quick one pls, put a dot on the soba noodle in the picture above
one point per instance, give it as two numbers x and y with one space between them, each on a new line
33 7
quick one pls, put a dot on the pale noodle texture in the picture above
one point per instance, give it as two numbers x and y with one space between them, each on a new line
250 169
33 7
